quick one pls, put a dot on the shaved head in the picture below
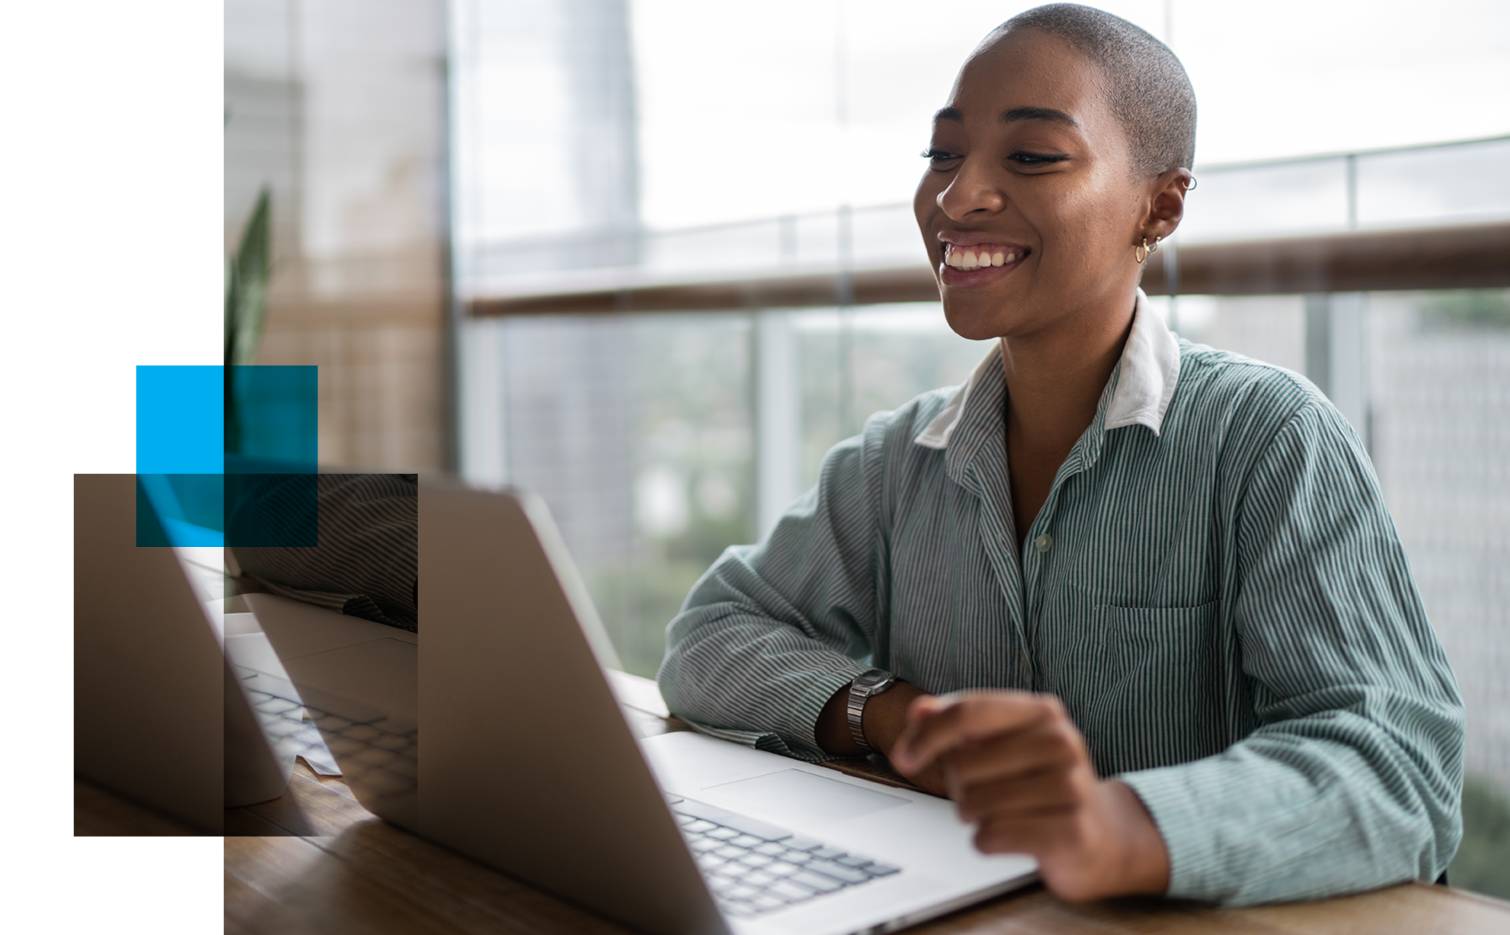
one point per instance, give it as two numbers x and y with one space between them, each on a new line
1147 88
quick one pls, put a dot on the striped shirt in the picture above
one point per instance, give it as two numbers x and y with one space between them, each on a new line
367 527
1213 587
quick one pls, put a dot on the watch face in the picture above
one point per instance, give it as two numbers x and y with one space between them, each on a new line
875 678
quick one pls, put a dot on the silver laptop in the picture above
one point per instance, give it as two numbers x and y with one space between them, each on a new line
531 766
161 715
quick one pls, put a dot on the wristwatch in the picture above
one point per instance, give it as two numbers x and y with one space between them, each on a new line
867 683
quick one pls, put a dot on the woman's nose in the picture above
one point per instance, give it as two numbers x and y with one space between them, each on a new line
972 189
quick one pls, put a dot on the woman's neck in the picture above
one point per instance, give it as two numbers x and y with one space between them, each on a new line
1055 379
1054 382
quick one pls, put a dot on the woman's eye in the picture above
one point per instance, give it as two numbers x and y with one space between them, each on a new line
937 157
1036 159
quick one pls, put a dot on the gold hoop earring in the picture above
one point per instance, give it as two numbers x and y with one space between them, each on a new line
1190 184
1143 251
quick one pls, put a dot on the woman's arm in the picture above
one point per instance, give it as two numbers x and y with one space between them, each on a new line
1354 777
366 562
1351 782
771 632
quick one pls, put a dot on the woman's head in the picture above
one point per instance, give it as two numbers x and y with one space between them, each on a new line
1145 84
1067 139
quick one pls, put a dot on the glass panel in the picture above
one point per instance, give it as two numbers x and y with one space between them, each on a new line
887 236
638 434
872 359
1253 202
1441 428
1440 183
731 247
1270 328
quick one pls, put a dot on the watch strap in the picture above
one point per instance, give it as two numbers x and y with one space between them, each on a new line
856 709
876 681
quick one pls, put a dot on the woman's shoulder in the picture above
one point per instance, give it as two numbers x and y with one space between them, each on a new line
903 425
889 441
1246 406
1217 384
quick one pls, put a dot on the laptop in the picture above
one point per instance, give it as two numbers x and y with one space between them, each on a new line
531 766
161 715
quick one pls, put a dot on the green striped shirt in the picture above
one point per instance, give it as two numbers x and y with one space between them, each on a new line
1213 587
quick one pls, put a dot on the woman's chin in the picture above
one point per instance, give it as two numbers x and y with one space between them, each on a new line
975 320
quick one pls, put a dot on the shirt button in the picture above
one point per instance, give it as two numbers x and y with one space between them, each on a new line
1043 543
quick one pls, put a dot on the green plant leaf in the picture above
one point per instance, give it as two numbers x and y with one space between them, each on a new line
247 284
230 310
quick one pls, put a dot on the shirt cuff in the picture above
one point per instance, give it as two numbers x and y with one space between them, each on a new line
1194 863
812 692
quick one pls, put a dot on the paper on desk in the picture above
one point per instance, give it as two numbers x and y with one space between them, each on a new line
321 763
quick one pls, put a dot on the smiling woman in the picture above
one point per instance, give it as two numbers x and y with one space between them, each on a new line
1136 605
1043 155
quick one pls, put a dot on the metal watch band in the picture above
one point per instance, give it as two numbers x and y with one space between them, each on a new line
870 682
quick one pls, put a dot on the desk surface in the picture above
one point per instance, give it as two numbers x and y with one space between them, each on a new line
315 861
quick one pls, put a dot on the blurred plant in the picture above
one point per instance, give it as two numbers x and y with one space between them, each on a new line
1472 308
247 275
246 281
1483 859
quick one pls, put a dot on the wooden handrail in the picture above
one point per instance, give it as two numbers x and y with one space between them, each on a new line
1464 257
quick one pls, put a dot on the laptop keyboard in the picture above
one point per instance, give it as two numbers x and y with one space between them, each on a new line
752 867
283 722
382 754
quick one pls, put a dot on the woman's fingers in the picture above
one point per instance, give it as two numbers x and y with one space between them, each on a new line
1024 834
1016 766
1042 745
1021 796
950 721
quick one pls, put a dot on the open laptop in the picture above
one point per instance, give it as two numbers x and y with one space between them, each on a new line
531 766
160 714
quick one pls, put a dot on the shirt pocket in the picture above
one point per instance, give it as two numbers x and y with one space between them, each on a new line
1160 703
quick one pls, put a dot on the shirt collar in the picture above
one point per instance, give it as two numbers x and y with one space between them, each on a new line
1146 377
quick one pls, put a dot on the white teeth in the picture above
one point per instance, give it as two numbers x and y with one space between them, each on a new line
963 259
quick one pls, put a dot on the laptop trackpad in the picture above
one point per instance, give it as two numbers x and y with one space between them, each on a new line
794 797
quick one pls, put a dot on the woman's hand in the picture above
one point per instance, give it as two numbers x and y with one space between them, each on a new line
1016 765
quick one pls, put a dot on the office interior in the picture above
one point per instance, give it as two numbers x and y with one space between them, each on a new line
565 245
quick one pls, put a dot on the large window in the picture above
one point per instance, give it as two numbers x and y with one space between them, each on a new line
685 266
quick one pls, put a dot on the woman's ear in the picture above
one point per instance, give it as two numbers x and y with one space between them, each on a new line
1167 207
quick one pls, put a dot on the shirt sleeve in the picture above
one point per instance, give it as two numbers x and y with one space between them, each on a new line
366 563
771 631
1353 779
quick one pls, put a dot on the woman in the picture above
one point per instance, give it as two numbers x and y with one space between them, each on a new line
1134 604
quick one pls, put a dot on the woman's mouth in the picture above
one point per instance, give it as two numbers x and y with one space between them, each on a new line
978 264
981 255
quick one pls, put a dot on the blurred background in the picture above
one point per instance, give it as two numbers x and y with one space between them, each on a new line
653 257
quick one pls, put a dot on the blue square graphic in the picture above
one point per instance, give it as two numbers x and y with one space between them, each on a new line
180 420
227 457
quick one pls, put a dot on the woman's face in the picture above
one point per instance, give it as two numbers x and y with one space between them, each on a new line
1029 173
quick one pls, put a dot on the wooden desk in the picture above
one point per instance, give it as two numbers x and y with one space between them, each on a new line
315 861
